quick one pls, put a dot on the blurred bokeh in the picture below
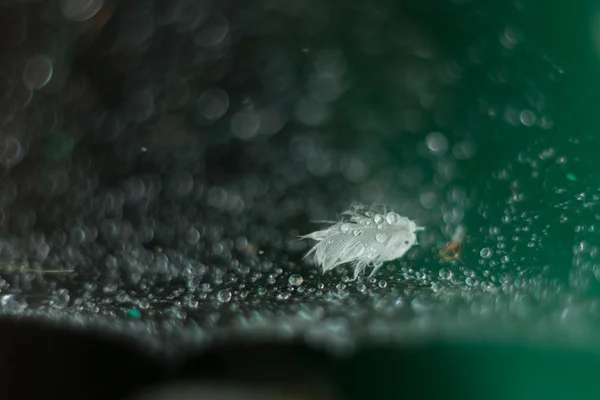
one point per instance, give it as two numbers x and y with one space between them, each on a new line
160 159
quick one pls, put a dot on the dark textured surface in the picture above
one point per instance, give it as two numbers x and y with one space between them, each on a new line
46 361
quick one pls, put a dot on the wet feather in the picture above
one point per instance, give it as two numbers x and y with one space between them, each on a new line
363 239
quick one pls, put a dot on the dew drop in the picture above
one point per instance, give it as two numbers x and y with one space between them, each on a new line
345 228
471 281
392 218
486 252
13 304
295 280
445 273
38 72
224 296
80 11
283 296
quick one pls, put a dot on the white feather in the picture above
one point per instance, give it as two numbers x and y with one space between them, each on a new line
363 239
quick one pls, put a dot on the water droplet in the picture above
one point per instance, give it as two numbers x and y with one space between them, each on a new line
345 228
437 143
471 281
486 252
37 72
192 236
213 32
445 273
382 284
378 219
80 10
213 103
295 280
311 112
283 296
139 106
245 124
110 288
224 296
62 298
392 218
13 304
528 118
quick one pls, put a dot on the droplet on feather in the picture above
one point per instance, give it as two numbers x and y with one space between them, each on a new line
363 239
392 218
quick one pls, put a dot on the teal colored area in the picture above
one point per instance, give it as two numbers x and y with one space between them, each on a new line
134 313
481 371
535 205
531 109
